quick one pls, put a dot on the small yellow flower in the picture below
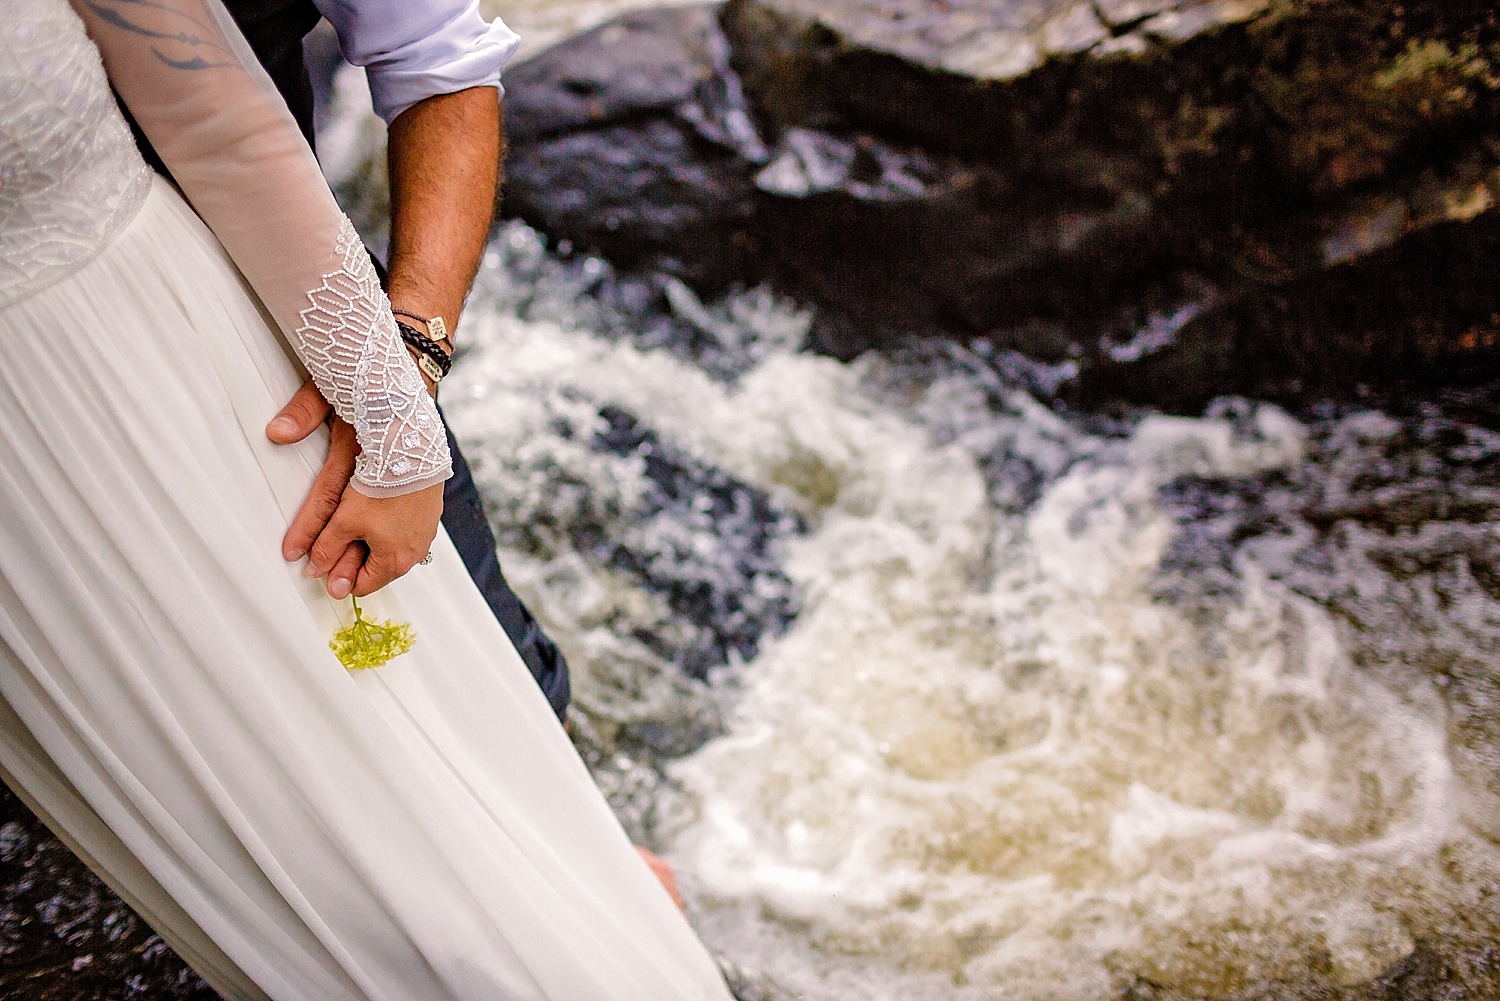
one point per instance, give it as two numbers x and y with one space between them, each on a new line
370 644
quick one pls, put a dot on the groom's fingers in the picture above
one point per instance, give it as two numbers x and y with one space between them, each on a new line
327 490
299 417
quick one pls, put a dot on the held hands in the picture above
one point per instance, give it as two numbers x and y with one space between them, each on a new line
397 532
360 544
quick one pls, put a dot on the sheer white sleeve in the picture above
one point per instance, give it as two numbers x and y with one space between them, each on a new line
198 93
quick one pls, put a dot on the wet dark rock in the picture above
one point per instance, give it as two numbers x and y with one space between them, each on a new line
710 545
1415 305
1183 198
64 936
632 139
747 985
733 588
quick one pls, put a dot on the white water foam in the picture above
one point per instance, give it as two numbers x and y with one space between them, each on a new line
987 752
541 23
986 761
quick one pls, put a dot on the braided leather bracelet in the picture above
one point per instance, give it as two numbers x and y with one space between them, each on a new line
431 359
437 329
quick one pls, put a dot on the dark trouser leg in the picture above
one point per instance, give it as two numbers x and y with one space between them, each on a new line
463 517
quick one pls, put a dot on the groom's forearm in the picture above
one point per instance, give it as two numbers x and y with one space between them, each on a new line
444 157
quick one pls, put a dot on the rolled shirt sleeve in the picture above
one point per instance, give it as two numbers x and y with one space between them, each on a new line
415 49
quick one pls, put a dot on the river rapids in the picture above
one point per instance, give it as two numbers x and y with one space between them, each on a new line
931 689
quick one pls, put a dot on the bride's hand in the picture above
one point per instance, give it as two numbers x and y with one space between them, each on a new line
398 531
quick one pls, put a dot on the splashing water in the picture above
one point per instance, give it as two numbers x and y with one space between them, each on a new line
1011 744
1018 768
930 692
541 23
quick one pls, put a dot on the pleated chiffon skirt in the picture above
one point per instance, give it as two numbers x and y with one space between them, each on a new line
417 832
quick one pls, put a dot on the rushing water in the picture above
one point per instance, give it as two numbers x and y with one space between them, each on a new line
998 704
541 23
932 691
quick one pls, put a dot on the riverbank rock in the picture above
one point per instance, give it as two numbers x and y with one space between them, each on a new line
1179 199
635 139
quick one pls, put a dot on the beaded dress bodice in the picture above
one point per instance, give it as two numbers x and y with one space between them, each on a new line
70 173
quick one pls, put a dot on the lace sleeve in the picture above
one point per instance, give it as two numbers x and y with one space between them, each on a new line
349 343
191 82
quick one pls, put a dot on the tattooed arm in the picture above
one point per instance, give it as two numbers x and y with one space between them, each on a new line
198 94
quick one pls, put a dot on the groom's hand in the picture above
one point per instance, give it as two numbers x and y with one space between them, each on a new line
298 419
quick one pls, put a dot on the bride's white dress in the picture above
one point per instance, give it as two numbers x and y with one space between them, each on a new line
418 832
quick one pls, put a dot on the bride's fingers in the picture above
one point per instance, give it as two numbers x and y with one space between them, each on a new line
385 564
327 490
397 530
378 571
341 578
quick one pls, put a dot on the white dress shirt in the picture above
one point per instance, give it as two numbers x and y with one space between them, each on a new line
416 49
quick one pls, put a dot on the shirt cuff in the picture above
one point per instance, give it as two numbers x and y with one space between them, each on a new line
461 54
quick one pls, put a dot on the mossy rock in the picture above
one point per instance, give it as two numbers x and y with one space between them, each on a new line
1052 176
